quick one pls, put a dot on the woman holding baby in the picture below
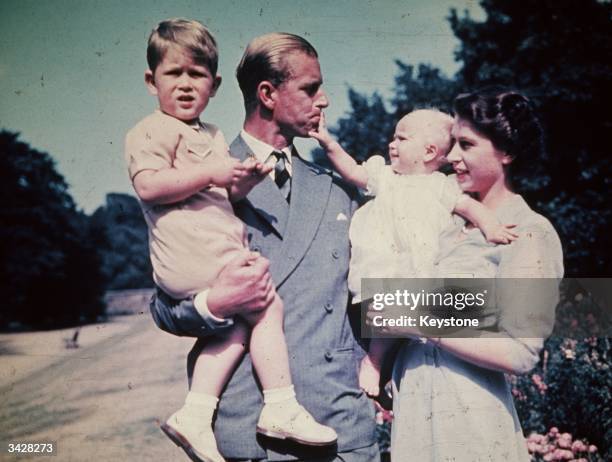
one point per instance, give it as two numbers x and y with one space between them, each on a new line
451 398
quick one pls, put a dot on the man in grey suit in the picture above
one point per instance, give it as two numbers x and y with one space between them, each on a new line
298 219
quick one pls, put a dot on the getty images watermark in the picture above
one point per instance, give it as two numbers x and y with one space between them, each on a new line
470 307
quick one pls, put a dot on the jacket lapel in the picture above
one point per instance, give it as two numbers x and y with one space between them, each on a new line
310 189
265 198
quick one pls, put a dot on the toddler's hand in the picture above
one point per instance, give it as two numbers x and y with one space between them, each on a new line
252 174
500 234
226 172
322 135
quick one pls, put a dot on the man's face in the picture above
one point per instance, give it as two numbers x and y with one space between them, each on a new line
300 99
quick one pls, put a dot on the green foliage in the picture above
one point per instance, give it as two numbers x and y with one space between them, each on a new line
570 388
120 232
369 127
560 54
49 267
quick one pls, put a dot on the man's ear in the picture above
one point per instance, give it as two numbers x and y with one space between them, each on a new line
216 85
150 82
266 93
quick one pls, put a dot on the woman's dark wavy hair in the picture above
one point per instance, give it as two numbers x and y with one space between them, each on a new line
508 119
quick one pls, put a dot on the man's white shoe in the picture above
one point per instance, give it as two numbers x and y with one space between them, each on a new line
198 443
300 427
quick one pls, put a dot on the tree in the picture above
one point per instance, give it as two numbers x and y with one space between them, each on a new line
369 126
120 232
560 54
49 267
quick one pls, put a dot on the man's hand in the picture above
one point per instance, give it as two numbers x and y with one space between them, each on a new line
224 173
252 174
243 287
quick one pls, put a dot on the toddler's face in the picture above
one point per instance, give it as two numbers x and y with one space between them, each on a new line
182 86
407 148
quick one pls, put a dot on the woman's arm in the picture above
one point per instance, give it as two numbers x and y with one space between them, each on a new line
527 293
526 296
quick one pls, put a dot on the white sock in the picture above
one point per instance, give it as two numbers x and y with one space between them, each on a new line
200 406
281 400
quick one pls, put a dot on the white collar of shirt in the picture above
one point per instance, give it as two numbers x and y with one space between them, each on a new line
263 151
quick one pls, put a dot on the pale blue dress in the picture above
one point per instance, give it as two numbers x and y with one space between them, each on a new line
447 409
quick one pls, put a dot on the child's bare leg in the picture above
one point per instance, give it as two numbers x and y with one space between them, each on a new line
282 416
369 371
191 426
268 348
218 359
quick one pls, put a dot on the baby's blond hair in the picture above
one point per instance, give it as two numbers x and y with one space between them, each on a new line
435 126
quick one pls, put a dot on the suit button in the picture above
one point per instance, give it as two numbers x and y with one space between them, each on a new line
256 248
328 355
328 307
335 254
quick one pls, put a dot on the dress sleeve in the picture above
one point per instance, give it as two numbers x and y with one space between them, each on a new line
527 290
375 167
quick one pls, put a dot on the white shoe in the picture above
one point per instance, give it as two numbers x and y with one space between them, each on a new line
300 427
199 444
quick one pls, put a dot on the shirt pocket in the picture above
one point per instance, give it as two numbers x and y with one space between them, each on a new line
199 150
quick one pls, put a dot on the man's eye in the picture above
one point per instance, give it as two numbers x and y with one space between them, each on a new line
465 145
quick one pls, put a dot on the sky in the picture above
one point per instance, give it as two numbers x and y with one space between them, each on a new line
71 72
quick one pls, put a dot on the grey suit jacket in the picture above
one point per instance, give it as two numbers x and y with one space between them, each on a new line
308 247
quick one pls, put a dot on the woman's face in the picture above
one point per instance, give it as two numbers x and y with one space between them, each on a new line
478 164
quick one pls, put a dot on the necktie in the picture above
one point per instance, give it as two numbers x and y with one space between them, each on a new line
281 174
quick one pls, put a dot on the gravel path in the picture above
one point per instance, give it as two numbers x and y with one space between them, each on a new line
101 401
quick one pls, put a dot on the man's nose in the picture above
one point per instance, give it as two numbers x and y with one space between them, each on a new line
322 101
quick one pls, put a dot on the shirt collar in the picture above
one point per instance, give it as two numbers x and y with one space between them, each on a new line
262 150
195 124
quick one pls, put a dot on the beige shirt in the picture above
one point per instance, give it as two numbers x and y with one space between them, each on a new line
191 240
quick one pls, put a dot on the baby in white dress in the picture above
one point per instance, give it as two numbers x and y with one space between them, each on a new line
396 234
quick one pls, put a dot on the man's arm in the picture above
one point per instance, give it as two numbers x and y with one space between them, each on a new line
350 170
243 287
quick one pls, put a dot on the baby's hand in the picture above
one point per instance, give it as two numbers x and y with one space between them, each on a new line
226 172
322 135
369 377
252 174
500 234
